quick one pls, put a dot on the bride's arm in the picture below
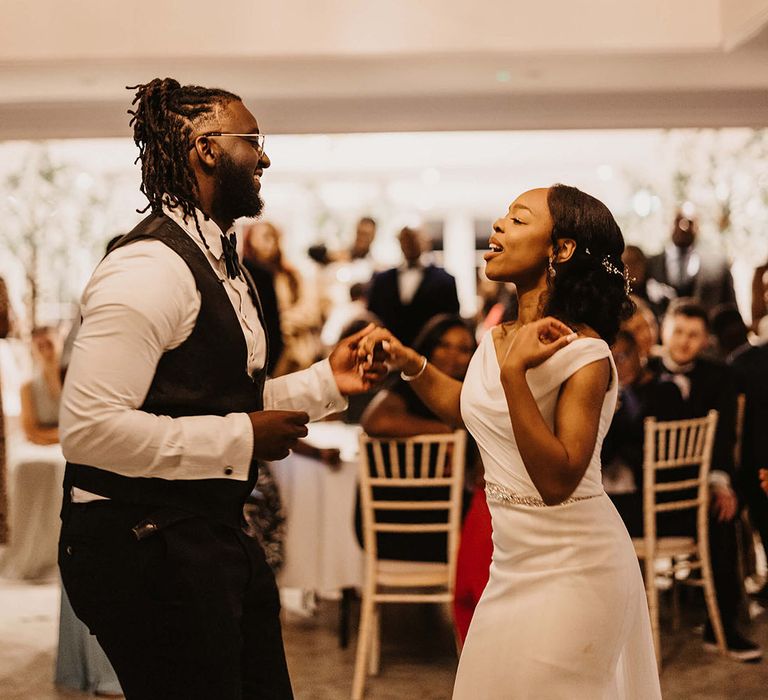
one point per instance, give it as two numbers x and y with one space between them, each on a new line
555 461
437 390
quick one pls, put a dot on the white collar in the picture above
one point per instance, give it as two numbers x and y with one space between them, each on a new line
672 366
209 228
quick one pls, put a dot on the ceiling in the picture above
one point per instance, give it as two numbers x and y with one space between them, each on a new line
368 66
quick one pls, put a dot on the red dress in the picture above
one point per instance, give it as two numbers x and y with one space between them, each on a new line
474 560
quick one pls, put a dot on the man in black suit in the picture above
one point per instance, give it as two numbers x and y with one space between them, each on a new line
691 273
750 367
681 384
406 297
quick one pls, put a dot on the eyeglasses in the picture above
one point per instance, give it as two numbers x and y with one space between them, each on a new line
256 140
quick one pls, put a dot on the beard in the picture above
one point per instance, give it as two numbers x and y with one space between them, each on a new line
235 193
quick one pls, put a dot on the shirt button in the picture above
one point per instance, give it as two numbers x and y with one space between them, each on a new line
228 470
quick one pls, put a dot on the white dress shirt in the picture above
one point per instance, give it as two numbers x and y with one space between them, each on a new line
141 302
408 282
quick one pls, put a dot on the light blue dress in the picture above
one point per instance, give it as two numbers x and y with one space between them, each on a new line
81 663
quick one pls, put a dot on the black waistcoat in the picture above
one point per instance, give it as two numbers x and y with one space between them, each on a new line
205 375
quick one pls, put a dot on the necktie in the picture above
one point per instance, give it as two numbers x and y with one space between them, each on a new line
229 246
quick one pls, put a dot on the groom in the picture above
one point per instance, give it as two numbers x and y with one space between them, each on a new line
166 410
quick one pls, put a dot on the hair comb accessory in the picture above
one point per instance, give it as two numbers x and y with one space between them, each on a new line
613 270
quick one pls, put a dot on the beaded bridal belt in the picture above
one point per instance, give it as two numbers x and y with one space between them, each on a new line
502 496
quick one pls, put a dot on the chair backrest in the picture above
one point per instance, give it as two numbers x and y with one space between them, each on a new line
677 457
389 465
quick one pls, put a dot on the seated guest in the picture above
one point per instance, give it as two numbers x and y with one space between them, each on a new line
40 396
37 472
643 326
654 293
750 366
448 343
682 384
729 330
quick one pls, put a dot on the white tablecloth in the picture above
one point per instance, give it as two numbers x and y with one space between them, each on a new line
321 551
35 475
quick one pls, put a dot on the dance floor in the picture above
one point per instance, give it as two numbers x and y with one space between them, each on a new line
418 658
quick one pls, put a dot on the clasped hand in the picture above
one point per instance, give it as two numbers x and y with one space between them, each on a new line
381 348
276 433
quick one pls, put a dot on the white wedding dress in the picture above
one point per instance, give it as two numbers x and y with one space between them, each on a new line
564 614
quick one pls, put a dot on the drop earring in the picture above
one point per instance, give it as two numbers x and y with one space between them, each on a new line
551 268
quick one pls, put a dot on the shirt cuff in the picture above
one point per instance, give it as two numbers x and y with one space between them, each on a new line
334 400
238 457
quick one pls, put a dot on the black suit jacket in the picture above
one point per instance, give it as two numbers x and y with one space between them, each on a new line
435 295
750 365
712 285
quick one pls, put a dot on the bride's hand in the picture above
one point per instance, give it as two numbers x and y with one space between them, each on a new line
536 342
398 357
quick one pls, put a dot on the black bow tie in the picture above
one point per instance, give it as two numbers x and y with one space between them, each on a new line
229 247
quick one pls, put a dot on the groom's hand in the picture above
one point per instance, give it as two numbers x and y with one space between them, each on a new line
275 433
350 377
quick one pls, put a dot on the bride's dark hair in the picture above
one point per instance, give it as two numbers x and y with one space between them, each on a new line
589 288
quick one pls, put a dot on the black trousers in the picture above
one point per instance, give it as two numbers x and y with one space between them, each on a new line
723 549
190 612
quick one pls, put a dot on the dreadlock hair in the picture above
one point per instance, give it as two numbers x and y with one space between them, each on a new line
163 122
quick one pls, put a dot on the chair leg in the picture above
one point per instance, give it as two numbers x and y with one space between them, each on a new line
375 658
711 599
363 645
653 606
345 606
675 601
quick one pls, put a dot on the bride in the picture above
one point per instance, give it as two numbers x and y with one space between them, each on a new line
564 613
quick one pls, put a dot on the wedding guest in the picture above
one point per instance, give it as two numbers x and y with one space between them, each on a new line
264 279
691 273
759 295
339 270
342 315
473 561
5 325
750 366
37 474
680 384
654 293
642 324
406 297
300 311
448 343
40 396
728 329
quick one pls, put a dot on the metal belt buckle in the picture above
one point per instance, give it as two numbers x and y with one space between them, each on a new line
144 529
